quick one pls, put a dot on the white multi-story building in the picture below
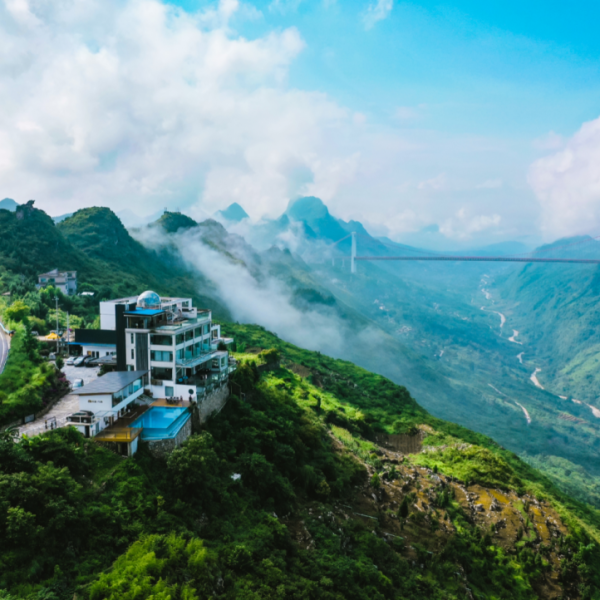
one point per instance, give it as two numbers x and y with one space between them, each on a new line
65 281
177 343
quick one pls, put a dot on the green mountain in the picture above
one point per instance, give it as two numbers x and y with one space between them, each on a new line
30 243
99 235
172 222
347 487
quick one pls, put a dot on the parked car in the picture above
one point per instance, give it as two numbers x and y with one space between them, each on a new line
78 362
35 333
52 356
70 360
87 360
77 383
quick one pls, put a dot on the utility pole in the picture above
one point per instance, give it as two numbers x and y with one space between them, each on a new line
353 255
57 340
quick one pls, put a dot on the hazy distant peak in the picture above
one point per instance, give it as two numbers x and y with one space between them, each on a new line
234 213
61 217
8 204
307 208
355 226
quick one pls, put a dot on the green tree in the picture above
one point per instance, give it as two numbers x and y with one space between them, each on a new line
403 511
59 362
18 311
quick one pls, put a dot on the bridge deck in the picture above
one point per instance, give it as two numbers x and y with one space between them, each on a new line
587 261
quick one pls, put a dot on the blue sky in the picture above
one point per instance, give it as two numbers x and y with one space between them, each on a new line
480 120
508 68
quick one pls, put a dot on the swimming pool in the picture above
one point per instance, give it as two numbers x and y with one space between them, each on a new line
162 422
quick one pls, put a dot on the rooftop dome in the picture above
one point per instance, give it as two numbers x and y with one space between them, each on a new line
148 300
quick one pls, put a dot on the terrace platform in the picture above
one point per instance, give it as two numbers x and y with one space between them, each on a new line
163 402
120 430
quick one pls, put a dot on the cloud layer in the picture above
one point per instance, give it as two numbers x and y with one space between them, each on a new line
138 104
142 102
567 184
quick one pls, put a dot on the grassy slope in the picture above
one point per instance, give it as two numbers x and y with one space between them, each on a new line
375 397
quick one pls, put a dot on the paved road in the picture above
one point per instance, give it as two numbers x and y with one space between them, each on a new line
65 406
4 346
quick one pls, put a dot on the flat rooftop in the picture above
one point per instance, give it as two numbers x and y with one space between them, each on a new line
110 383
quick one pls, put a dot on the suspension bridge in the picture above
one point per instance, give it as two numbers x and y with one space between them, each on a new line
354 257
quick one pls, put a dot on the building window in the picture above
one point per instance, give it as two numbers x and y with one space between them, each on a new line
162 373
132 354
132 339
161 356
180 338
161 340
198 332
189 335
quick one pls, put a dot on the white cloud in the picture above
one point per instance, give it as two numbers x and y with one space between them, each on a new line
143 103
138 104
436 183
377 12
567 184
463 226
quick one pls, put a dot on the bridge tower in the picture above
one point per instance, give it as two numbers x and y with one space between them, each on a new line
353 254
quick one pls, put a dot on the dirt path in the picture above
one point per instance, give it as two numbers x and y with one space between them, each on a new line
527 416
513 336
594 410
526 413
535 380
502 317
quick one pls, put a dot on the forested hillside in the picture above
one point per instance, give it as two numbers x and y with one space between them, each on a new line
300 490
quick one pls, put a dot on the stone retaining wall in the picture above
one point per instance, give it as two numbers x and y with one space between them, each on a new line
213 403
162 448
407 444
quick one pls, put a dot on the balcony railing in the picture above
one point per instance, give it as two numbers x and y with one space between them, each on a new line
194 360
166 326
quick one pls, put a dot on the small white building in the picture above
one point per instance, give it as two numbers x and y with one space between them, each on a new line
105 399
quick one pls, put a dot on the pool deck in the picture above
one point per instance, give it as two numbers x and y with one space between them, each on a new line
163 402
121 430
